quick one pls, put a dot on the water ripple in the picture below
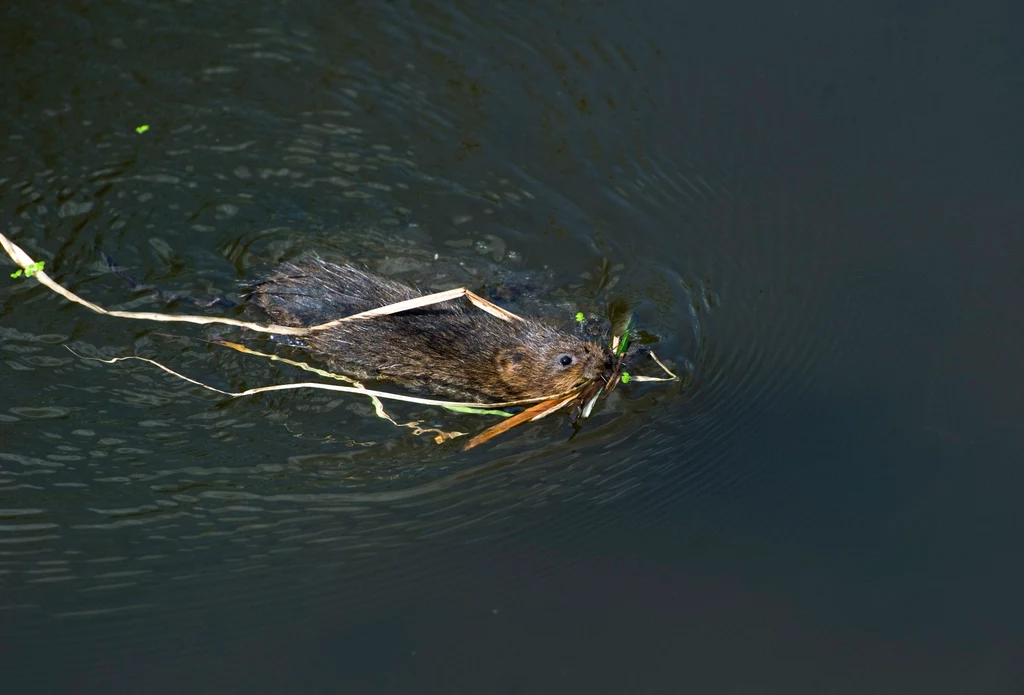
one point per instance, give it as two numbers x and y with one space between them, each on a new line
447 144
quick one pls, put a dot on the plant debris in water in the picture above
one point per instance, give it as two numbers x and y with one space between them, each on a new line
585 395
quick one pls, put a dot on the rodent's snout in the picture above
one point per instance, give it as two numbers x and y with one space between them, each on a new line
600 364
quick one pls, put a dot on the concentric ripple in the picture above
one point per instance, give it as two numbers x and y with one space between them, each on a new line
446 144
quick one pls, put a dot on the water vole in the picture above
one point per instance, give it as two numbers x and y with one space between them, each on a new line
449 349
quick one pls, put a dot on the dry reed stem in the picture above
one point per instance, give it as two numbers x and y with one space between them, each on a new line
316 385
671 376
530 414
378 407
23 260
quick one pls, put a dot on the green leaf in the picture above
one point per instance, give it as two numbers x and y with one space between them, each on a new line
30 270
625 377
624 336
142 129
579 317
476 411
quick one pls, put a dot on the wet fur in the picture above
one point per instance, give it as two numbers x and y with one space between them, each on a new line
449 349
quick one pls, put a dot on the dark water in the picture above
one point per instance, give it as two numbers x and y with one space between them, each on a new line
814 209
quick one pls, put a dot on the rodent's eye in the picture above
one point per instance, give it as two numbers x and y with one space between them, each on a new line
565 360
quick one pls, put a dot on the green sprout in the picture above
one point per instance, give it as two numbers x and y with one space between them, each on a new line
579 317
625 377
30 270
141 129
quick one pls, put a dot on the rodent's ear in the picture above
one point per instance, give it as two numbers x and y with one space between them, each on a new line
509 359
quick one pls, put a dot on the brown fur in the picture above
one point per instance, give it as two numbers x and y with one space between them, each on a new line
449 349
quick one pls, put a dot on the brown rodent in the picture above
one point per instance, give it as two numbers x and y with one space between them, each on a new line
450 349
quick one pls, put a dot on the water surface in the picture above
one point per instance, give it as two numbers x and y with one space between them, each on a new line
813 210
